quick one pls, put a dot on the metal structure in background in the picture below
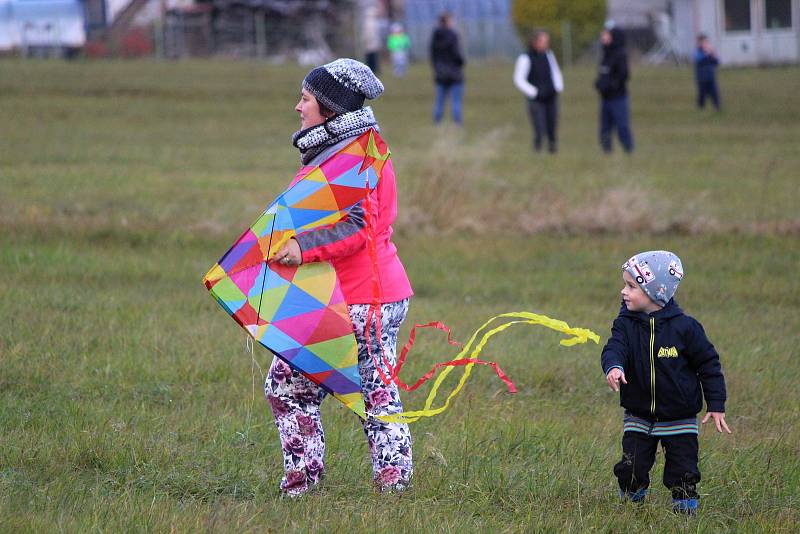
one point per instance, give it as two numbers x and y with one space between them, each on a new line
485 26
664 51
303 30
187 33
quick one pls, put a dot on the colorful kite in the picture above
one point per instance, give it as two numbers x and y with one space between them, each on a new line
299 312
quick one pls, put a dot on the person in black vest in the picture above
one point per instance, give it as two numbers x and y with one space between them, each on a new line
611 83
448 68
537 76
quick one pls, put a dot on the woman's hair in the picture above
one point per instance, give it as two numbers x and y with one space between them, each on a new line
535 34
325 111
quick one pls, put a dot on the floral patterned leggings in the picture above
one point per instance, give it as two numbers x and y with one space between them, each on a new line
295 402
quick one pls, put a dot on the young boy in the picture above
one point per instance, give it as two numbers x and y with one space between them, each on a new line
705 72
662 363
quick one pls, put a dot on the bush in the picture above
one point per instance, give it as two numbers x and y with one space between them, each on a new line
585 17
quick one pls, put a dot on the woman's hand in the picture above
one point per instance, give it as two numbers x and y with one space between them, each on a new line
289 254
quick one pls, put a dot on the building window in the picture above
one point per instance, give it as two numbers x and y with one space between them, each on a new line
778 14
737 15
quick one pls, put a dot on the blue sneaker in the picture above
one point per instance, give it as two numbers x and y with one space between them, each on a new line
684 506
634 496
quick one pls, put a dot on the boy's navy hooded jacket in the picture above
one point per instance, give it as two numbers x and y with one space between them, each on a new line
668 362
705 66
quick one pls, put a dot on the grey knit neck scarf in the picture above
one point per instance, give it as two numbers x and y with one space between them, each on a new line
314 140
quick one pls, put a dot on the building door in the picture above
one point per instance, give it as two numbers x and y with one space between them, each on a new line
778 31
738 32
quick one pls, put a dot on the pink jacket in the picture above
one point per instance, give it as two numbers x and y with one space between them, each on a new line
344 244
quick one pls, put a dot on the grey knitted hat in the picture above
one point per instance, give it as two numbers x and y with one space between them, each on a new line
658 273
342 85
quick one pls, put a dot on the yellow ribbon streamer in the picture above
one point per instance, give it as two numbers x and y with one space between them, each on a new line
577 335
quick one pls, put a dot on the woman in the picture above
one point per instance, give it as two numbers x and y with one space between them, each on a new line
537 76
331 118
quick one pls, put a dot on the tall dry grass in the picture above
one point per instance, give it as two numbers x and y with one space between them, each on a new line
453 188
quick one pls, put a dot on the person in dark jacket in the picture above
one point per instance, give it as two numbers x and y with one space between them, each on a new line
538 77
448 69
611 83
663 365
705 72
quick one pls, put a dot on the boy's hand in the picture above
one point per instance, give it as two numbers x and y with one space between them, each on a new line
614 376
719 420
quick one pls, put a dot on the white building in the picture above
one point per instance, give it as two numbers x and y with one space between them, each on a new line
53 24
743 32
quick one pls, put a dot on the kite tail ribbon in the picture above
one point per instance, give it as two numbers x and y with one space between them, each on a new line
468 356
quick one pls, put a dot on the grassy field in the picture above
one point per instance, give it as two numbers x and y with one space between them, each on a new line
128 403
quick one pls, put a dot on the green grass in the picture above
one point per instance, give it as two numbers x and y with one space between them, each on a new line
128 403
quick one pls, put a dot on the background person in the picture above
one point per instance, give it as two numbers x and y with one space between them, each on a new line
612 84
448 67
537 76
398 45
705 72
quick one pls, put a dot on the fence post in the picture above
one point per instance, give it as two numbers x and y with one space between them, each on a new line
158 37
261 34
566 42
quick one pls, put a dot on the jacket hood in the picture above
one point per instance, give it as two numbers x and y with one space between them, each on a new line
667 312
444 37
617 40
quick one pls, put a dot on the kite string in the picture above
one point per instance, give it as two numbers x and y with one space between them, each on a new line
248 342
375 308
266 269
249 348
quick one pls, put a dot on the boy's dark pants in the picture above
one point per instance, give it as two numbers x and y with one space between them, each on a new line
681 474
707 88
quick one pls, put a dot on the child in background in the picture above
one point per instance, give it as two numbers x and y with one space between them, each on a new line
398 44
662 363
705 71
